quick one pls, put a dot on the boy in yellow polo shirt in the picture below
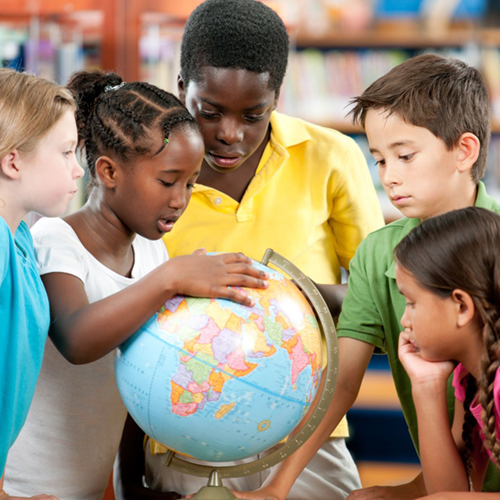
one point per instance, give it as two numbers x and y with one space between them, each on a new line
267 180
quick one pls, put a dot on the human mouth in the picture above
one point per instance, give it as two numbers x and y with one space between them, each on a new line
167 224
225 162
399 200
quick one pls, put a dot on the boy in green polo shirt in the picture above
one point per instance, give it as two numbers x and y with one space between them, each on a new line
428 126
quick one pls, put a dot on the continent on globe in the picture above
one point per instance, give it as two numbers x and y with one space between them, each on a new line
219 381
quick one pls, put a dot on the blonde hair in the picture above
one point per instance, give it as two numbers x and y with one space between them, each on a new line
29 107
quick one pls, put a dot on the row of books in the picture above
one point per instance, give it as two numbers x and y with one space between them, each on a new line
320 83
43 53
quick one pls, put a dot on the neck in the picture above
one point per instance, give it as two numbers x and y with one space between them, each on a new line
99 229
12 209
473 354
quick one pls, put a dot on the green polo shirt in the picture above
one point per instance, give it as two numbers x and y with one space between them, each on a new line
373 306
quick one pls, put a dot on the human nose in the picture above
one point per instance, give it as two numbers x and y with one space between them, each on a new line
180 197
389 174
405 319
78 171
229 131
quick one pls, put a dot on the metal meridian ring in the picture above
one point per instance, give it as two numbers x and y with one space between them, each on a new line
328 329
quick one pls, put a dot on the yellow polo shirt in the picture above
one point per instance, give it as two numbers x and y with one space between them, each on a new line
312 200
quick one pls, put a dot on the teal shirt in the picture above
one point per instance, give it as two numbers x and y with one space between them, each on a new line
24 324
373 307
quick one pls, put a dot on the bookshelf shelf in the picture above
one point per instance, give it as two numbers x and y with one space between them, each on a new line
413 36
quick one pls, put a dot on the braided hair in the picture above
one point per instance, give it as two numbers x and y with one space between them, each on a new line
461 250
120 119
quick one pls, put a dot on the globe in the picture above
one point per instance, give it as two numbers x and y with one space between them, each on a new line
219 381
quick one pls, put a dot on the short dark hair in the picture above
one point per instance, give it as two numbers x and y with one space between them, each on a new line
237 34
444 95
116 118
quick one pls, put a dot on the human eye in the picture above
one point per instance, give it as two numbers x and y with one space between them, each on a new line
254 118
209 115
379 163
407 157
165 183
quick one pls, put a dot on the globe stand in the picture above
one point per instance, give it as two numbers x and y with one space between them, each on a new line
214 489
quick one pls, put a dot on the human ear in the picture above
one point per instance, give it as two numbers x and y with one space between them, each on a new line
464 306
106 169
468 151
9 165
181 88
276 98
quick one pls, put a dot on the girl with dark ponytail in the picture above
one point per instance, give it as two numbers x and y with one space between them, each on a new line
448 269
106 272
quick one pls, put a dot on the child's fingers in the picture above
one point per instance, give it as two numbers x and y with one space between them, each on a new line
239 269
235 295
246 281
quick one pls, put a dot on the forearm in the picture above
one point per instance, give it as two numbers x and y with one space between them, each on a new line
353 359
96 329
442 465
454 495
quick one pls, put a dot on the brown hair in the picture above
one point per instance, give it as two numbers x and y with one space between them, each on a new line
444 95
461 250
29 107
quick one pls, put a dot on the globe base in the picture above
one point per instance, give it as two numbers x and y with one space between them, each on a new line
214 489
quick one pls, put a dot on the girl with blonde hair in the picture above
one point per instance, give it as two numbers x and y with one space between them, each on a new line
38 170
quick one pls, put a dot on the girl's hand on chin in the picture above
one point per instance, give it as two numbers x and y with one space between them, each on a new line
422 371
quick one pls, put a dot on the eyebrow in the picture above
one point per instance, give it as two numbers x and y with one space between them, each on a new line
176 171
394 145
220 106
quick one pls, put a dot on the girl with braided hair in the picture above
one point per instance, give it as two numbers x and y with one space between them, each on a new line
448 269
106 272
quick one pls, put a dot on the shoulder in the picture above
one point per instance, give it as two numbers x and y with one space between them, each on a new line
51 231
153 250
58 248
5 234
459 384
382 242
291 131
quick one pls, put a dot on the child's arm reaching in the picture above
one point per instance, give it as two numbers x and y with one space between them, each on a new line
442 464
354 356
85 332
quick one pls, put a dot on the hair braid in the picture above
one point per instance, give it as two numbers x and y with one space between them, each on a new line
123 121
163 96
490 363
469 428
434 253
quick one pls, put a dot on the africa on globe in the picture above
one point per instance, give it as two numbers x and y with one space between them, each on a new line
219 381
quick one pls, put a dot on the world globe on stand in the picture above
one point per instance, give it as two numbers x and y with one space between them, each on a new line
219 381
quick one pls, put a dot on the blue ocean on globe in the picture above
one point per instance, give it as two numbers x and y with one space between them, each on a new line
219 381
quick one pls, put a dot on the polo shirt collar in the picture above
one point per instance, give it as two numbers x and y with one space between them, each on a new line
285 132
288 131
408 225
482 201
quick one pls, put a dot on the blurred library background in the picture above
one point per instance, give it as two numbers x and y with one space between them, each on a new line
338 47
